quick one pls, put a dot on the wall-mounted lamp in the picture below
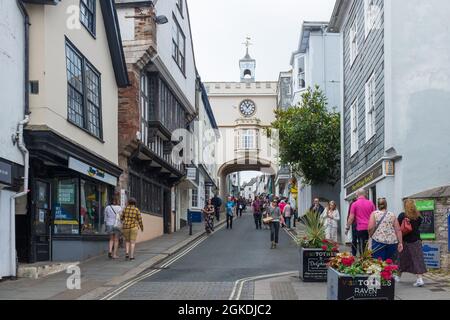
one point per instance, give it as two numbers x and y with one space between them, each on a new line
161 20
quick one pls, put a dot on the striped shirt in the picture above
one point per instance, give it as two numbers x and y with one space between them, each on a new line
132 218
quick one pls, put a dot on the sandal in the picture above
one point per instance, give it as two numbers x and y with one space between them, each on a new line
127 256
131 259
110 255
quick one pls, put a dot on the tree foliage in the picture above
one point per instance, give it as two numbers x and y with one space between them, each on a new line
309 138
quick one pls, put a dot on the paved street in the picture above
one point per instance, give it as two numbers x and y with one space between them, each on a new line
210 270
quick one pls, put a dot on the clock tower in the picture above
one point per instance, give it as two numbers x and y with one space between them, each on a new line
247 65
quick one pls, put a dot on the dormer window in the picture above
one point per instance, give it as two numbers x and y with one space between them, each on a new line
87 15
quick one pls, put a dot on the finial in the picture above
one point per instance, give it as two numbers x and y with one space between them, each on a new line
247 43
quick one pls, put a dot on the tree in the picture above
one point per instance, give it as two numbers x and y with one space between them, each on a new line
309 139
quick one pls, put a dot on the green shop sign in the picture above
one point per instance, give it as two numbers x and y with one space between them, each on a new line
426 208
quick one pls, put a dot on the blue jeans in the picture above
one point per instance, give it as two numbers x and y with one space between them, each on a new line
383 251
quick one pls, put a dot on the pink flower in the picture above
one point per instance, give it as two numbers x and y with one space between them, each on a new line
335 250
348 261
324 247
389 261
386 275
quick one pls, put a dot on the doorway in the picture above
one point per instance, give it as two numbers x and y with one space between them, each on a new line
41 221
167 214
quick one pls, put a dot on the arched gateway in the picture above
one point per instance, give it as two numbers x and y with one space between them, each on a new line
243 110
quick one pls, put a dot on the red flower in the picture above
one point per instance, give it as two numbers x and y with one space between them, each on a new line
386 275
348 261
335 249
324 247
389 261
325 241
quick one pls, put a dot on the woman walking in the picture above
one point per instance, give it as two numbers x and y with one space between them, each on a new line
287 214
230 206
112 217
208 212
385 232
411 259
131 219
274 212
331 217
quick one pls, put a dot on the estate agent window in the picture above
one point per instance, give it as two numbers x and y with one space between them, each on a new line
83 92
178 45
87 15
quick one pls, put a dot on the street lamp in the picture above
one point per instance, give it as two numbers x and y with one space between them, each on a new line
161 20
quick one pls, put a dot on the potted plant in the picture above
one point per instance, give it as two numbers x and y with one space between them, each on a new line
315 250
362 278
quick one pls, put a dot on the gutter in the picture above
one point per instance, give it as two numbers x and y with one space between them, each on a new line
24 12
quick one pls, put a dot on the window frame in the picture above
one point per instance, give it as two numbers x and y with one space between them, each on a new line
302 57
94 17
354 130
370 107
353 42
180 6
85 63
176 45
194 196
369 20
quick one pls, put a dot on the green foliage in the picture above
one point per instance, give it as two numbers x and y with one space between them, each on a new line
309 139
315 231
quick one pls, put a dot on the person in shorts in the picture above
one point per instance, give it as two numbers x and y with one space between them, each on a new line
112 215
132 221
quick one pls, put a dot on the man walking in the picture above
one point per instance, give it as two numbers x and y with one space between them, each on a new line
317 207
131 219
217 203
360 212
257 214
230 206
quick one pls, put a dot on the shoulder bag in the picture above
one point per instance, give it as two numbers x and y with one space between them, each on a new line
118 222
379 223
406 226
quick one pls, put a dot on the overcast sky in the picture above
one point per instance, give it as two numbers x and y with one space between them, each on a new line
219 28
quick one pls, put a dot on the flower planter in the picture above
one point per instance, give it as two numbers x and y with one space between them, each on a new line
346 287
313 264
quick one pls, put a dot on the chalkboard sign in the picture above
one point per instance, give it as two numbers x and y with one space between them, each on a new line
313 264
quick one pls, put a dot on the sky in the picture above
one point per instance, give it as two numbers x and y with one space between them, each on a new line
219 29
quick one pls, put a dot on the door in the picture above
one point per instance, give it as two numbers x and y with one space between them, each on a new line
167 215
42 221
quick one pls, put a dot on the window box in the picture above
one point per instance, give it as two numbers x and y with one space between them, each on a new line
345 287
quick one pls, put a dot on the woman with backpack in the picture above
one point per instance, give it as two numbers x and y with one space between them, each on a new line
411 259
385 232
112 226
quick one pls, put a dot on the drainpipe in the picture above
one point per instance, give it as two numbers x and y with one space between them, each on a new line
24 150
24 12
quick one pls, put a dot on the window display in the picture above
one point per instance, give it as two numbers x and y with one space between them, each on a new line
65 207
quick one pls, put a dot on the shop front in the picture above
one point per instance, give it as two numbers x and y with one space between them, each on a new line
69 189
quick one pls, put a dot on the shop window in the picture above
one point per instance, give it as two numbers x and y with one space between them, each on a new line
194 198
66 215
93 199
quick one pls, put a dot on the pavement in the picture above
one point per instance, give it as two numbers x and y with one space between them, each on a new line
235 264
100 274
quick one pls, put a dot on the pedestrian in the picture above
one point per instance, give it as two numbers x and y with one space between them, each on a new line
240 207
230 206
208 213
265 209
411 258
112 225
354 232
360 212
217 203
257 215
131 220
274 213
331 218
317 207
385 233
287 214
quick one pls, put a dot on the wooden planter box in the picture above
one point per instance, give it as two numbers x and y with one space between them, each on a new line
313 264
345 287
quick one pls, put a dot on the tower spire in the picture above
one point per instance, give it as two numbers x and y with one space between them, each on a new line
247 44
247 64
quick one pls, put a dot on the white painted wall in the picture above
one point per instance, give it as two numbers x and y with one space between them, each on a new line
418 79
12 82
186 82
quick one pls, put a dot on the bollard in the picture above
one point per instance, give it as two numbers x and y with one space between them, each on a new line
190 222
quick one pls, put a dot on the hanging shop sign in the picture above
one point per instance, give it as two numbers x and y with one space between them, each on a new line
191 173
426 209
92 172
368 178
5 173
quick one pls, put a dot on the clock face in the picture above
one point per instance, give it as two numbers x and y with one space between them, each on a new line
247 108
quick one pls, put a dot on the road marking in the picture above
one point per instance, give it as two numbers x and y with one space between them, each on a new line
179 255
239 284
290 234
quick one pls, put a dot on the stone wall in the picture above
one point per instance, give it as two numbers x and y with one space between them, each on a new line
441 229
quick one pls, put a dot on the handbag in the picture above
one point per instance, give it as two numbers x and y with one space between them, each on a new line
406 226
267 220
118 221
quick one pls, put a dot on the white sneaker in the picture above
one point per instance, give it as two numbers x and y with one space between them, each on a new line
419 283
397 279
